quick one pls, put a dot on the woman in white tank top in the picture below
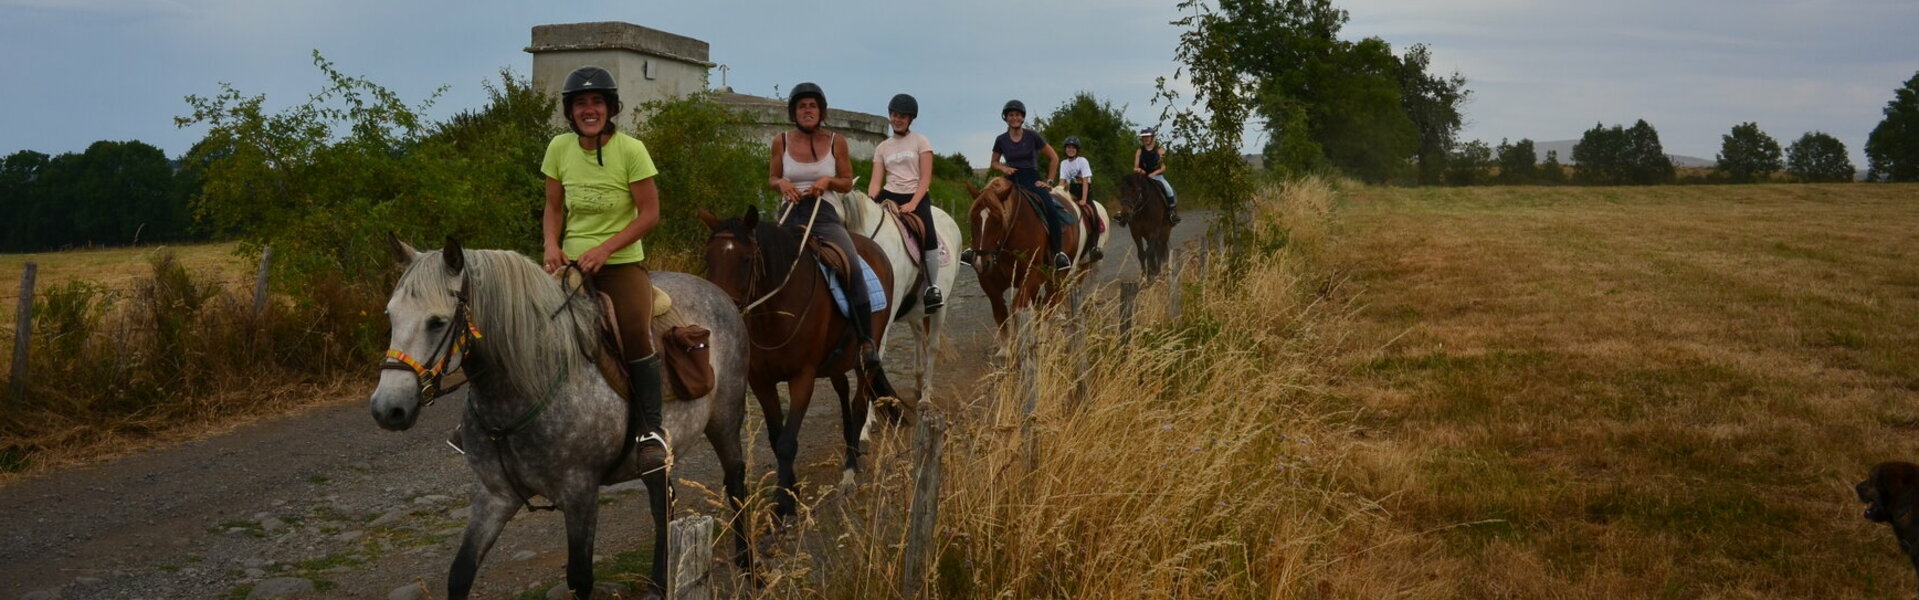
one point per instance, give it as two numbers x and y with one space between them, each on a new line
810 169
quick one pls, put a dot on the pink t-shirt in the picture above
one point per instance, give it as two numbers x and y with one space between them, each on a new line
901 157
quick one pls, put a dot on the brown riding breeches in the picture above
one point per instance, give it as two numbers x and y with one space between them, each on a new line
631 289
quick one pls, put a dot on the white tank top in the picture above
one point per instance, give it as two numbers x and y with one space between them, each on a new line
803 174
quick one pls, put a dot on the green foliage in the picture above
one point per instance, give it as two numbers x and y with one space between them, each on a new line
1106 139
323 181
1468 164
1892 151
953 167
1748 154
1620 156
706 161
113 193
1353 106
1518 162
1551 172
1820 158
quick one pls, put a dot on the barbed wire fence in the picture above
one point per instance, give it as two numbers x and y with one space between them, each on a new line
22 333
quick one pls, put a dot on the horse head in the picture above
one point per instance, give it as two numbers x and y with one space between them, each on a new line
991 218
432 329
732 253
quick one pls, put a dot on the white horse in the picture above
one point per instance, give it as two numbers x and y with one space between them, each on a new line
1086 260
867 218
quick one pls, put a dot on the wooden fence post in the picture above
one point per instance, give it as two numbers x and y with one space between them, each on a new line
1029 373
260 283
1128 292
1075 341
1172 289
928 439
689 550
22 332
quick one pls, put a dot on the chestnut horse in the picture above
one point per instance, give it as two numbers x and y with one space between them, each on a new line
1010 251
1142 209
795 332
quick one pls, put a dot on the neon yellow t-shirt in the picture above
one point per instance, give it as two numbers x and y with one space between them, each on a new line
599 202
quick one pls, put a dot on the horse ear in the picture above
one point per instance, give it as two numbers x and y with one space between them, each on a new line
454 255
751 219
712 222
402 252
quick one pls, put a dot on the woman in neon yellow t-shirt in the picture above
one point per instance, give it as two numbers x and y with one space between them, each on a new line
600 200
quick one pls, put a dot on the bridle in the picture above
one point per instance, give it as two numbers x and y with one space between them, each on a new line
987 256
460 334
756 269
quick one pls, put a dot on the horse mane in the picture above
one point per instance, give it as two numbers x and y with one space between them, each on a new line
778 245
532 325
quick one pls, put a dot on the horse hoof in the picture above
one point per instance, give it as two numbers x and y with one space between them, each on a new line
847 481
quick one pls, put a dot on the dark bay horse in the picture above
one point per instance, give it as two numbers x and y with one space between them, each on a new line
1142 209
1009 249
540 418
796 333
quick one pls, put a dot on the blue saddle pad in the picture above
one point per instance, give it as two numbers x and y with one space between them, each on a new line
875 297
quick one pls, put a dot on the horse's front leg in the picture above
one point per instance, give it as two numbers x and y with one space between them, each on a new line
852 419
486 516
659 500
582 511
786 447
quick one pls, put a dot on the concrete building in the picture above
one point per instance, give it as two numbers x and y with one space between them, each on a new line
651 64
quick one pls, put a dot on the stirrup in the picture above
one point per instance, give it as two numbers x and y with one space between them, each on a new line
966 257
640 446
933 299
1061 262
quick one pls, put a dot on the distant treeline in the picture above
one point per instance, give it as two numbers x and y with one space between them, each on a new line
1620 155
114 193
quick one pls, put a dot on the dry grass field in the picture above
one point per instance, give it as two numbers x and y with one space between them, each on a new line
115 268
1658 392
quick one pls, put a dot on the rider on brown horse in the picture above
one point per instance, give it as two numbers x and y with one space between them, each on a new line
808 165
1021 147
1150 160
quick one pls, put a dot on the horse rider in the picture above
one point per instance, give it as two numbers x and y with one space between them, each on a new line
811 169
601 199
1021 147
904 163
1077 175
1149 160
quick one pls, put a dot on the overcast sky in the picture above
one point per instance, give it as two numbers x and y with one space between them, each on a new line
77 71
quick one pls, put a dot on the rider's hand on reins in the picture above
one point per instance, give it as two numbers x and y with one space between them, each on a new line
788 192
591 261
554 260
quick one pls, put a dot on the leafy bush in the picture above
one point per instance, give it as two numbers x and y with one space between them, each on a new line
706 160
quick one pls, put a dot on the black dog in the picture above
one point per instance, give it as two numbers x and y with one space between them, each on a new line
1891 492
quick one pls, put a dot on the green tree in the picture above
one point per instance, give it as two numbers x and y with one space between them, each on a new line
1646 160
706 160
1892 151
1468 164
1551 172
1819 158
1748 154
1106 138
1601 156
1433 104
21 201
1518 162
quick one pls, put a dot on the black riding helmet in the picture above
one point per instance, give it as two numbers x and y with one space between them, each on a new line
1071 141
1012 105
804 90
590 79
904 104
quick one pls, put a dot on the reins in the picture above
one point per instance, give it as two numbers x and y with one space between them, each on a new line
804 234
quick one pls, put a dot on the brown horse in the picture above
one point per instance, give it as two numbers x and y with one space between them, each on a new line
795 332
1142 209
1009 249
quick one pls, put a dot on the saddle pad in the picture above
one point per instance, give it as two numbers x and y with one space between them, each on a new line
875 297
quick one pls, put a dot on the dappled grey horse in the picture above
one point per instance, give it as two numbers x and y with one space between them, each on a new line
541 420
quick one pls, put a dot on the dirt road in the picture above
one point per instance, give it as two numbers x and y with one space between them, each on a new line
323 504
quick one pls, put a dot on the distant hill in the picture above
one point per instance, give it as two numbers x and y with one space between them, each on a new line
1565 148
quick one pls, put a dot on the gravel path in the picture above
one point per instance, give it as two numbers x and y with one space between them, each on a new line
323 504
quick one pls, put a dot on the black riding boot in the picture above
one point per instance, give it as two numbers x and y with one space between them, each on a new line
1172 210
643 412
930 263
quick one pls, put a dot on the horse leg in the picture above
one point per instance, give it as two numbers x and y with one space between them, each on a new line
659 501
850 425
786 447
727 444
768 395
582 512
487 515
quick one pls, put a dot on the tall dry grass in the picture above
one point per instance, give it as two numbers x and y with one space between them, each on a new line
1202 461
